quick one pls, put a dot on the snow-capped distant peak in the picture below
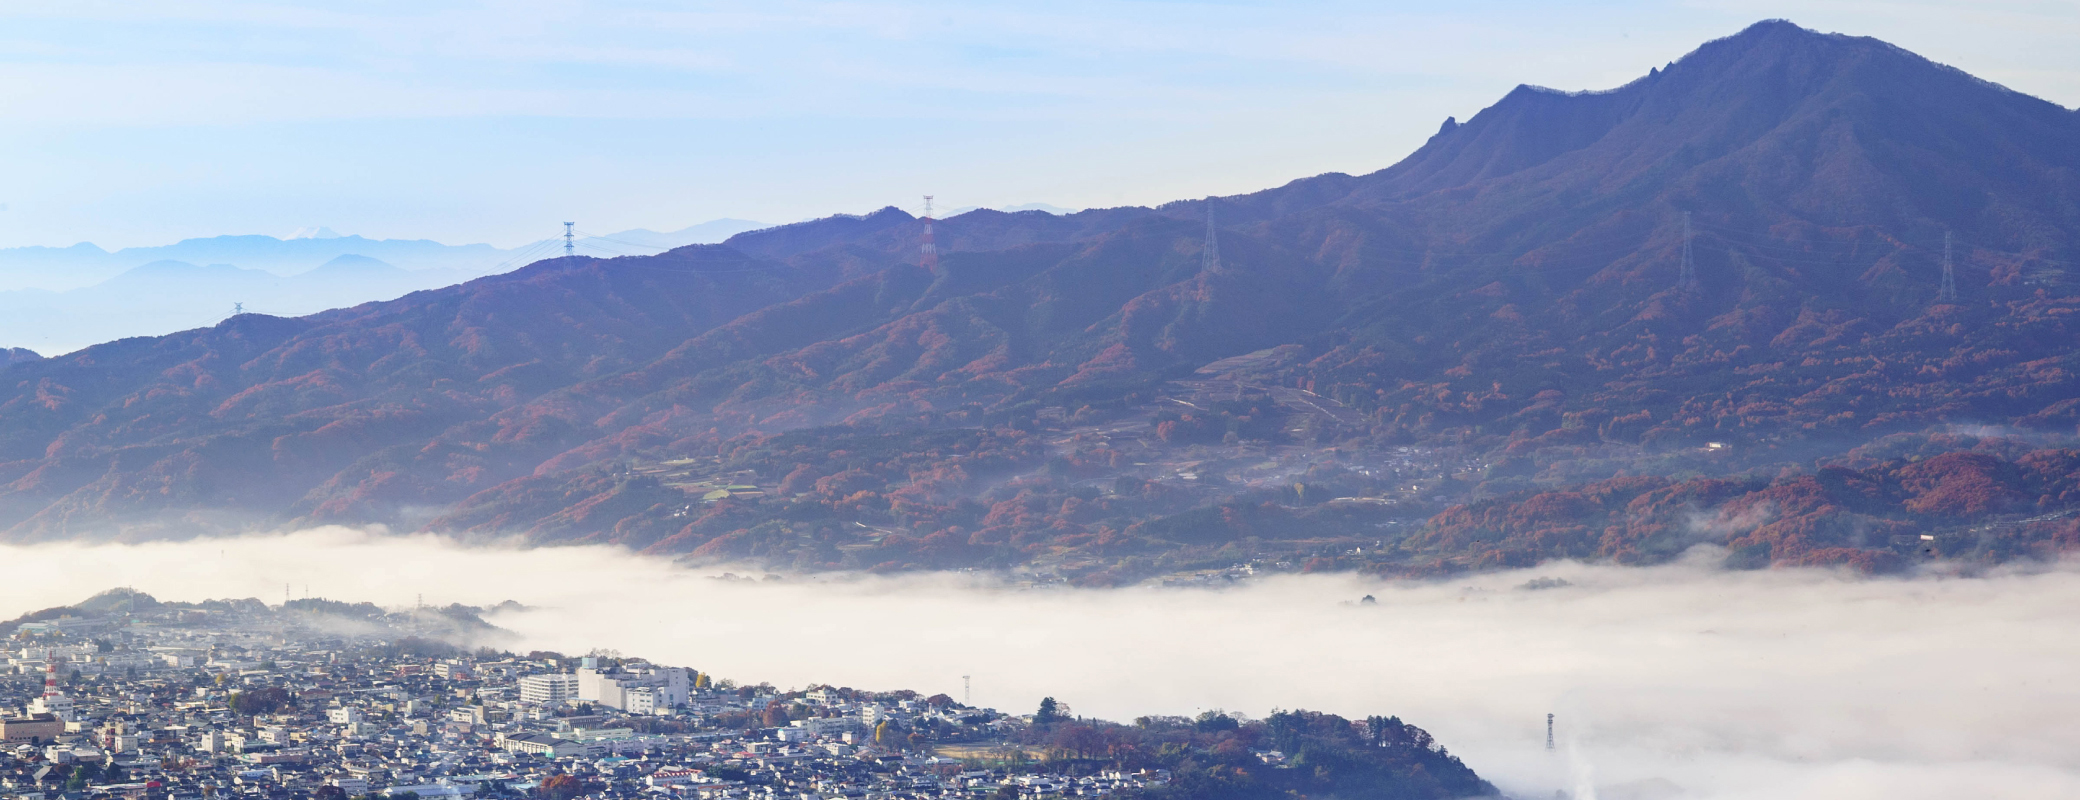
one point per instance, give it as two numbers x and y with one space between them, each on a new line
320 232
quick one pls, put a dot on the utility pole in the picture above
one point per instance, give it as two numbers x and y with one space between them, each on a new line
568 246
1947 293
1210 255
929 259
1686 280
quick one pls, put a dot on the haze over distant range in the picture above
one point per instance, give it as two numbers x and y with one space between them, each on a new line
58 299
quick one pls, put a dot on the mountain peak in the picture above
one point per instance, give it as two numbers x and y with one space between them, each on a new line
353 264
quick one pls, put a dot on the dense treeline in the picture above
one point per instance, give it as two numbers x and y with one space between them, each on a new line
1289 753
1878 508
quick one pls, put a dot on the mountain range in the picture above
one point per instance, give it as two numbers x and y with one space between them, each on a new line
143 291
84 264
1733 266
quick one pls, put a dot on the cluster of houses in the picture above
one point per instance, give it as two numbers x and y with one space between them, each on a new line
245 700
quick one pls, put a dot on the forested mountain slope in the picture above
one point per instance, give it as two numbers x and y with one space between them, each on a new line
1511 298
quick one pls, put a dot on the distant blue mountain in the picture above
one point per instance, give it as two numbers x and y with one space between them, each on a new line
83 264
1049 208
59 299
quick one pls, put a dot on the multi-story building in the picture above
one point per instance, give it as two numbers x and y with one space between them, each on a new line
32 728
549 689
668 687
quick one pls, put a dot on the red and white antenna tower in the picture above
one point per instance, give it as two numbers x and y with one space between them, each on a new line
50 673
930 259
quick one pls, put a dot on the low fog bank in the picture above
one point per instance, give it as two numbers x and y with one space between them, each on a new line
1673 681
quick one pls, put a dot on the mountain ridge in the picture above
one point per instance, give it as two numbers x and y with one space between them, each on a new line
1508 295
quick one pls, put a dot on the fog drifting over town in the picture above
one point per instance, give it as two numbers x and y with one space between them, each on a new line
1676 681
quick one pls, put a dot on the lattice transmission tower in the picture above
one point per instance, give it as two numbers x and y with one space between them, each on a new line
1686 279
929 259
1947 292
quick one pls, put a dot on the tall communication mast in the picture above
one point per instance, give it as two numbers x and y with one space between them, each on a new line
1210 255
930 257
967 690
568 246
1549 732
1947 293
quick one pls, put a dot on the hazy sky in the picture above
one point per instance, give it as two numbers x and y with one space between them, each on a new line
146 122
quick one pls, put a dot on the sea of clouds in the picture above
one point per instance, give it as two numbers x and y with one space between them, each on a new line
1675 681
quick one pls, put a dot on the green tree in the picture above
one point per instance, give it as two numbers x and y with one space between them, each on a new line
1049 713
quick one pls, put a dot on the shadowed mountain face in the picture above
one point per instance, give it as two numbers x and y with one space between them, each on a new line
1512 290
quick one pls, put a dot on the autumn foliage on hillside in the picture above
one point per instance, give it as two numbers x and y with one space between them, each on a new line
845 498
1875 515
1077 390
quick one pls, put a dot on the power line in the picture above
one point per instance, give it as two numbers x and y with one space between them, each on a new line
1549 259
1762 240
524 253
598 238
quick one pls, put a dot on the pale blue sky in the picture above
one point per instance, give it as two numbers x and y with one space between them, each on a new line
145 122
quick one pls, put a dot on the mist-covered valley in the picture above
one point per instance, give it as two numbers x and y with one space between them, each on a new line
1682 680
1735 428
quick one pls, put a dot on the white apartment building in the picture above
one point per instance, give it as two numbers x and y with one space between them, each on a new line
548 689
669 687
824 726
452 670
642 700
